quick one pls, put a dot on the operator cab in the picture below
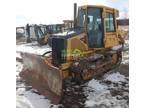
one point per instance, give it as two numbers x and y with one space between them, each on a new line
96 21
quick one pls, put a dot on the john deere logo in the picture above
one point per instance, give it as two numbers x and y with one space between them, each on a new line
77 53
72 53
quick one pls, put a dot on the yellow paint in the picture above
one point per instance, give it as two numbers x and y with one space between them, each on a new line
111 40
76 43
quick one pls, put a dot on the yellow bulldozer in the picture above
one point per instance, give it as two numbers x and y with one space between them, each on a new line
90 49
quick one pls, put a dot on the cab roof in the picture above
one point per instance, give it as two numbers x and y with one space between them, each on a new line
98 6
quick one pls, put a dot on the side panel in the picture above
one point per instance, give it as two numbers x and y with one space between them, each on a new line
76 43
111 40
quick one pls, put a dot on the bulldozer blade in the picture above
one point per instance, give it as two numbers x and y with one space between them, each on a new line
43 77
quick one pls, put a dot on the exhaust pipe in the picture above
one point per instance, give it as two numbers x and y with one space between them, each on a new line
75 13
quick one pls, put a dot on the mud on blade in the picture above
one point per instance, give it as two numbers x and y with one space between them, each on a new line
43 77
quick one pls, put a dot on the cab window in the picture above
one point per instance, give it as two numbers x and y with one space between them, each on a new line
109 22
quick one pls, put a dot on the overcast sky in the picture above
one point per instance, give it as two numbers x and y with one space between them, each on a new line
55 11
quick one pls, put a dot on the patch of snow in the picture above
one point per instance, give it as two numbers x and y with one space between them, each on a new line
65 33
22 102
90 103
18 55
28 99
20 90
115 77
102 98
125 57
99 93
19 67
37 101
96 85
117 47
126 41
33 48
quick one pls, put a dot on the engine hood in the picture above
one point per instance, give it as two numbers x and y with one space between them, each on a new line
67 34
64 33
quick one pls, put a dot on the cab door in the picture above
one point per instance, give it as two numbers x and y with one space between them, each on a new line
95 27
110 29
